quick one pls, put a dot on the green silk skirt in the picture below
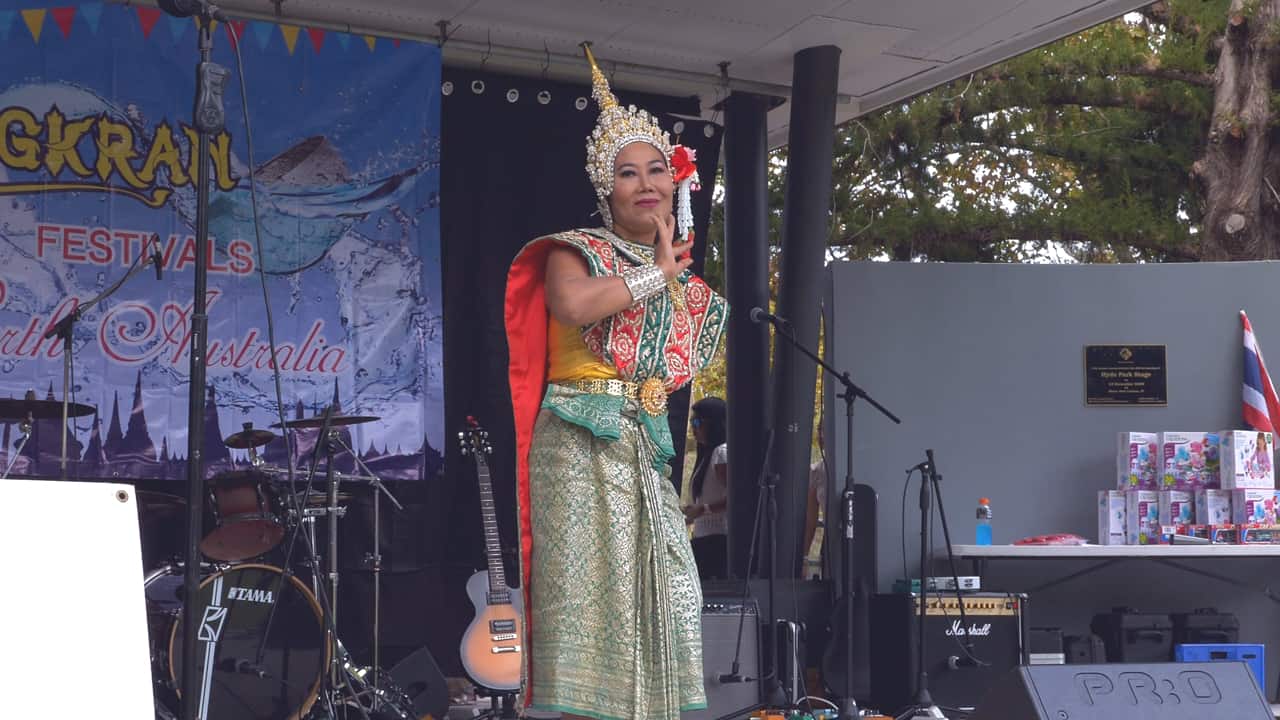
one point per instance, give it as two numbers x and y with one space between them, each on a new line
615 622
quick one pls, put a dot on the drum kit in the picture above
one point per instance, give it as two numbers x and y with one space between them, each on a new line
270 647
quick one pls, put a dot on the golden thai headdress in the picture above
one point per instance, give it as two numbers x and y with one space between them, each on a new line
618 127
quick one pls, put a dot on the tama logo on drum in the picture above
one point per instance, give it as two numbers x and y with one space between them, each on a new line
250 594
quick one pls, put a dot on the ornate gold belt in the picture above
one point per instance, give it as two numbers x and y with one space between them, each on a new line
651 394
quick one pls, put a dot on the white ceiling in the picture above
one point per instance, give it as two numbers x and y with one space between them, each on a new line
890 49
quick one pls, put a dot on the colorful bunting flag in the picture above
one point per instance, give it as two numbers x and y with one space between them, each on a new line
148 17
63 17
235 30
262 31
92 14
35 22
177 27
290 33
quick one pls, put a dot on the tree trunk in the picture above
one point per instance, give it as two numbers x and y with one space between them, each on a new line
1239 173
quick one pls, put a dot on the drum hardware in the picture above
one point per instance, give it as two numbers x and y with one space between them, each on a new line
373 561
249 667
250 439
246 516
334 420
29 409
330 445
24 428
253 513
26 411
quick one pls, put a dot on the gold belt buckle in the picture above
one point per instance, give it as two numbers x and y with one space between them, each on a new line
653 396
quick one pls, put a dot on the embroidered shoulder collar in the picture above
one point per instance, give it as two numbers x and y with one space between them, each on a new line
637 253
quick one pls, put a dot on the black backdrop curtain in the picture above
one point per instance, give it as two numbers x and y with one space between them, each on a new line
512 169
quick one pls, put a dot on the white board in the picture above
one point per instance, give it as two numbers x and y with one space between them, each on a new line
73 622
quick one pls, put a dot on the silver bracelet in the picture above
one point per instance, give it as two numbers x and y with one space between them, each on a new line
644 281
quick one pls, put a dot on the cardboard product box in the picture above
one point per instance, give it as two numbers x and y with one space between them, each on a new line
1253 507
1247 460
1176 508
1213 507
1138 461
1190 460
1111 513
1142 517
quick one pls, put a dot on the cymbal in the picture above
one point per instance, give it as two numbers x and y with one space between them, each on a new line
249 438
334 421
15 409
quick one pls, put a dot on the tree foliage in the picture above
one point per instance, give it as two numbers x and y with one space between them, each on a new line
1089 142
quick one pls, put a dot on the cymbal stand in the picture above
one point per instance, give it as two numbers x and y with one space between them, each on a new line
333 512
24 427
374 560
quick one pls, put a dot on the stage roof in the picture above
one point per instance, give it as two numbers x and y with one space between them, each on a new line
891 49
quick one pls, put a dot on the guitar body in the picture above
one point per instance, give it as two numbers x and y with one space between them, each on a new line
493 645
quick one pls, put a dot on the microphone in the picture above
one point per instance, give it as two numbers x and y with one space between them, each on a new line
758 315
156 258
933 466
187 8
955 662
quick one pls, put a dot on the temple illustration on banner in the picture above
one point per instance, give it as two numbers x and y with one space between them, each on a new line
127 450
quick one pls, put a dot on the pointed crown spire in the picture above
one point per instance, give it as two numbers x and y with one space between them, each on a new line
616 128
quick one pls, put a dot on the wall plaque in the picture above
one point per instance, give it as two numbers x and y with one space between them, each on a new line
1125 375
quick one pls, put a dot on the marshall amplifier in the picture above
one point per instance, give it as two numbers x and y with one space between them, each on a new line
995 627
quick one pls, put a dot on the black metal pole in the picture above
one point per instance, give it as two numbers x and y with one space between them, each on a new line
855 635
848 704
208 117
806 222
746 279
923 698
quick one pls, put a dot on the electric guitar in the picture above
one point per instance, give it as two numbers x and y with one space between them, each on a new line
492 646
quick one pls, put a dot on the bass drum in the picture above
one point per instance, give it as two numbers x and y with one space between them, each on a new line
239 627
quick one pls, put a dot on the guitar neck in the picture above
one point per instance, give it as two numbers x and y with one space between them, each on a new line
498 592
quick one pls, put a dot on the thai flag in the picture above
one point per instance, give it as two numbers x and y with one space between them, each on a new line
1261 406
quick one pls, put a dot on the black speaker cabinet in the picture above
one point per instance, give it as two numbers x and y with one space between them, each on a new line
995 626
720 619
1130 691
420 678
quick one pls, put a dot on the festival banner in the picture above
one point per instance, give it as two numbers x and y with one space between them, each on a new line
97 173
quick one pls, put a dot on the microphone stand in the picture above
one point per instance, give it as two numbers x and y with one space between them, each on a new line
209 118
63 330
848 704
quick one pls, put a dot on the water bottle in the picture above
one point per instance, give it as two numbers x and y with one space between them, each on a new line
983 534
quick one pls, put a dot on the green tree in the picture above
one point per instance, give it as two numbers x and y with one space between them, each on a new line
1145 138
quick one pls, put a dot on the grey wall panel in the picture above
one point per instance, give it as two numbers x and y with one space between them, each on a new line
984 363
